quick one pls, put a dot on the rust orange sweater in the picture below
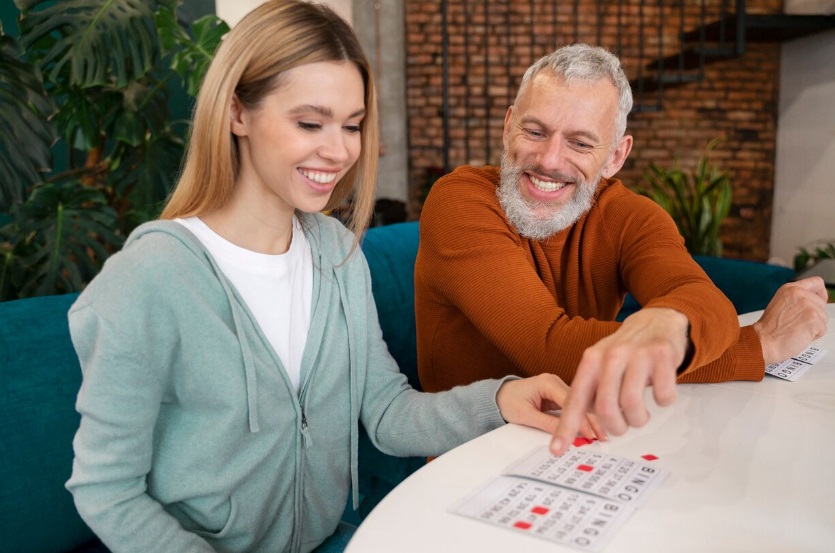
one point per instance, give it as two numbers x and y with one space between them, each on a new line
489 302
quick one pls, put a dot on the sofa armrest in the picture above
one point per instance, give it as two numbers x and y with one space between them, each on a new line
39 380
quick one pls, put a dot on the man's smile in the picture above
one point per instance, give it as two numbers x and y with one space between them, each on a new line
546 186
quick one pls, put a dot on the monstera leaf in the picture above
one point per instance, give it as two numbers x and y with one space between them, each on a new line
97 74
144 177
90 42
26 134
65 228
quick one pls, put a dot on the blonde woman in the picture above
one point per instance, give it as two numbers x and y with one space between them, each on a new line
231 349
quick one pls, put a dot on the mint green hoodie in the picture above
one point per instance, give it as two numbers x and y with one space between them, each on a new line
192 438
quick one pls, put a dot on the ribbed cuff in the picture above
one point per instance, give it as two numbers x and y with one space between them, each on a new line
742 361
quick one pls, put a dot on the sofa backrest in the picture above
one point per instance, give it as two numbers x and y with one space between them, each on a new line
391 251
749 285
39 380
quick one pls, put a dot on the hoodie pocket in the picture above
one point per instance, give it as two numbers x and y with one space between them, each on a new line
208 517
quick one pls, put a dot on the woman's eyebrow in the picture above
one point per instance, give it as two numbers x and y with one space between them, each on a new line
321 110
306 108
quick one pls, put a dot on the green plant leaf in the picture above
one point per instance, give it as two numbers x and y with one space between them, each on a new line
698 202
55 242
106 63
813 252
191 53
89 43
81 117
145 177
801 259
26 134
143 111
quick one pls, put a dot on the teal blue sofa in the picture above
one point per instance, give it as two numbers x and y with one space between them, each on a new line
40 377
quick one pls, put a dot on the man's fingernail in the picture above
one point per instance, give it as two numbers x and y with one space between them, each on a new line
556 445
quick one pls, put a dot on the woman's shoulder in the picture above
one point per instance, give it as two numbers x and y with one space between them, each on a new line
154 247
154 258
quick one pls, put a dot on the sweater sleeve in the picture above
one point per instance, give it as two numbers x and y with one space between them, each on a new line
659 272
119 404
742 361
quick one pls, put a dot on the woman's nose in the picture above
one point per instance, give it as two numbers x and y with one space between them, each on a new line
335 147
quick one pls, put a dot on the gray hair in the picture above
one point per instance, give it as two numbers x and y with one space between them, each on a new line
585 63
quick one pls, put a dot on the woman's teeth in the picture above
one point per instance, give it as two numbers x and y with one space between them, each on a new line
318 176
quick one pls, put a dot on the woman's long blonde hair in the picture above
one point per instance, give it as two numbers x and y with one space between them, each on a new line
275 37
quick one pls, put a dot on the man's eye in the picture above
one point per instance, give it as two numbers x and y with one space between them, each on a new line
309 126
533 133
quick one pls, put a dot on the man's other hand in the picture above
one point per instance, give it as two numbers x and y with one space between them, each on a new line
794 317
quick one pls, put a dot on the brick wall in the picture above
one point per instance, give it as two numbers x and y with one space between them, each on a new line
737 99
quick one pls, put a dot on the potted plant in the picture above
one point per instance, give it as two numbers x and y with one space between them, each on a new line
809 255
90 78
818 258
697 201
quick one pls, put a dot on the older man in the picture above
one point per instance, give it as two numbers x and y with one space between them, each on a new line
522 269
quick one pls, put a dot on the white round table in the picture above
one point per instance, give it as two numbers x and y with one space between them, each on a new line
751 469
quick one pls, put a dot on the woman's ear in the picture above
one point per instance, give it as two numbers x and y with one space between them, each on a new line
237 123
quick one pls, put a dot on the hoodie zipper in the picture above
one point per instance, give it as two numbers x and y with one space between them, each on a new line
308 441
306 438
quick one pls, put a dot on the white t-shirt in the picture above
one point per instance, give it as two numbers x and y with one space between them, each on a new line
277 289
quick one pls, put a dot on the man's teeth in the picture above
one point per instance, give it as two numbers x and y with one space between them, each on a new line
546 186
318 176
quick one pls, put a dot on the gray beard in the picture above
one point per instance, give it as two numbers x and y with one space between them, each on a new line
538 220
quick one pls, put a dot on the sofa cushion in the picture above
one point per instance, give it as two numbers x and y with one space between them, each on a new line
39 380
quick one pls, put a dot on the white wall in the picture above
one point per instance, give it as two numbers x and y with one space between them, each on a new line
384 44
232 11
804 187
